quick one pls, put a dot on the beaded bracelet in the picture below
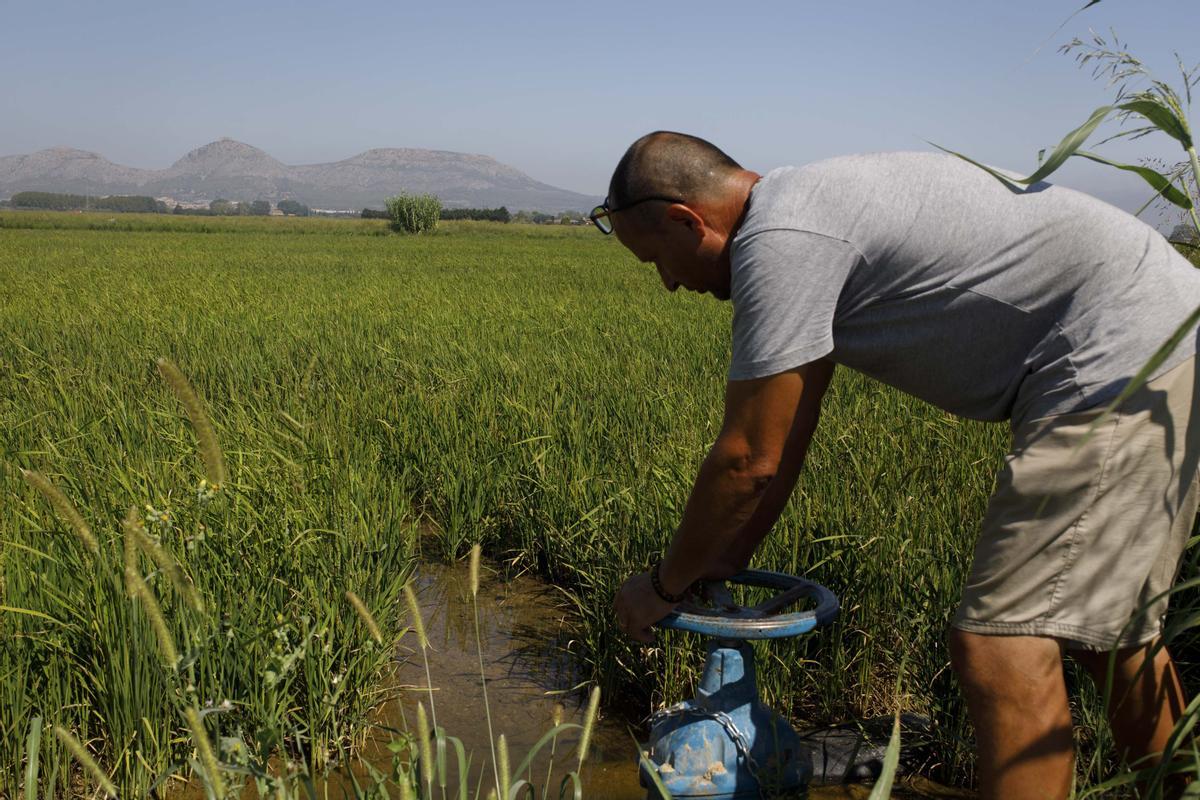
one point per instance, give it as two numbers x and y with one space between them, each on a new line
656 582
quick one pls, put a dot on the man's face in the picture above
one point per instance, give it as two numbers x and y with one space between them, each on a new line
685 252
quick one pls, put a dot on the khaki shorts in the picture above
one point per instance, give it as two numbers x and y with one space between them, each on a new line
1084 534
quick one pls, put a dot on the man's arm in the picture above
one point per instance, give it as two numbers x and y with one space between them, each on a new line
735 559
741 489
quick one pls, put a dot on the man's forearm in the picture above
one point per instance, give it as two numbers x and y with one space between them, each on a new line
736 501
724 498
777 494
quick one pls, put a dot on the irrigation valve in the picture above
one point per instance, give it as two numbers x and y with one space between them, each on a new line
724 743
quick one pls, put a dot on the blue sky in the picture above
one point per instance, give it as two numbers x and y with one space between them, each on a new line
558 90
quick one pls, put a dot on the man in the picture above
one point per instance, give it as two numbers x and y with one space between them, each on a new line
1036 307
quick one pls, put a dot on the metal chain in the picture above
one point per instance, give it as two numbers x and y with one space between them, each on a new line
722 719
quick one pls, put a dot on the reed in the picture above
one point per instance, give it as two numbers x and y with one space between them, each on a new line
473 575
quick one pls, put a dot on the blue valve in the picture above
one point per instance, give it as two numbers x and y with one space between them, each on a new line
724 743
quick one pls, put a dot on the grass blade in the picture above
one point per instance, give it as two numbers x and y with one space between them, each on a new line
33 745
891 760
1065 149
1160 182
1161 117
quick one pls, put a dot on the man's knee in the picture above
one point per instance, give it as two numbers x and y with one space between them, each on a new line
1006 666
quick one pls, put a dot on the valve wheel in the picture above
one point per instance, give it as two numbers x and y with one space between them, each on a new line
715 614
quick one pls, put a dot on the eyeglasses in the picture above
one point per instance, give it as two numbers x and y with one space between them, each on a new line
601 215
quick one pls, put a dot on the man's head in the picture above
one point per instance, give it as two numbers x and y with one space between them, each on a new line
676 200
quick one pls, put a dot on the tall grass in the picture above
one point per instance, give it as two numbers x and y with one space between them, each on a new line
533 389
103 630
413 213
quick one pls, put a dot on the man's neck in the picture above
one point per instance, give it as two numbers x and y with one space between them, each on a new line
738 194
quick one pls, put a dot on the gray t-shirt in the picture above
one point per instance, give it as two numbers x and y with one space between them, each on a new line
928 274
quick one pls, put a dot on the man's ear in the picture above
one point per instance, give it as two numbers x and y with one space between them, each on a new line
683 215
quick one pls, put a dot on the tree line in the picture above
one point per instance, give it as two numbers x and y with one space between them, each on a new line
53 201
501 214
58 201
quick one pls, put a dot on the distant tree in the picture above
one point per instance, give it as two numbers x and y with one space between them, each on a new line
50 201
55 201
134 203
292 208
487 214
260 208
414 213
222 206
1184 233
371 213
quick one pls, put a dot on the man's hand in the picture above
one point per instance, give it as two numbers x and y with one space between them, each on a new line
638 607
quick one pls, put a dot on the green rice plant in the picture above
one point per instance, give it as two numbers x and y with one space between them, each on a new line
411 213
136 672
558 420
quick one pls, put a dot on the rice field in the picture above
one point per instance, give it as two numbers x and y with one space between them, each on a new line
383 399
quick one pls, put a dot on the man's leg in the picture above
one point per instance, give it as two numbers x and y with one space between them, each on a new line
1017 701
1146 703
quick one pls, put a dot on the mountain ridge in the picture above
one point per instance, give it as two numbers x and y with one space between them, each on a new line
233 170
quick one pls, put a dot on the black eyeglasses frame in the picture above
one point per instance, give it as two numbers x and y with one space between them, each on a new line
604 211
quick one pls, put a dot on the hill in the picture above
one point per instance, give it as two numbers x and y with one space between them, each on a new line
238 171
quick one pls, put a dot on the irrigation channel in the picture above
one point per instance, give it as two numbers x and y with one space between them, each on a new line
525 636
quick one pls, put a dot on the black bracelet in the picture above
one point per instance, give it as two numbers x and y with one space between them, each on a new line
656 582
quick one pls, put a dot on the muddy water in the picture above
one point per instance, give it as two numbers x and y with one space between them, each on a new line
525 637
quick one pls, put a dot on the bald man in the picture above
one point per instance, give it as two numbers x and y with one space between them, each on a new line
1034 307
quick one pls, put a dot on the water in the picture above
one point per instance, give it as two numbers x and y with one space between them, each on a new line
524 638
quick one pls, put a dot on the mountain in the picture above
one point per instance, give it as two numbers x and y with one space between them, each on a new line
237 171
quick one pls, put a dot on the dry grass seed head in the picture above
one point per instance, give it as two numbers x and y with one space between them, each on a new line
85 760
167 563
63 508
365 615
205 751
210 450
414 610
137 589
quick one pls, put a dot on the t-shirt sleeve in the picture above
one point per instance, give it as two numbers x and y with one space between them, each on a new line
784 287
